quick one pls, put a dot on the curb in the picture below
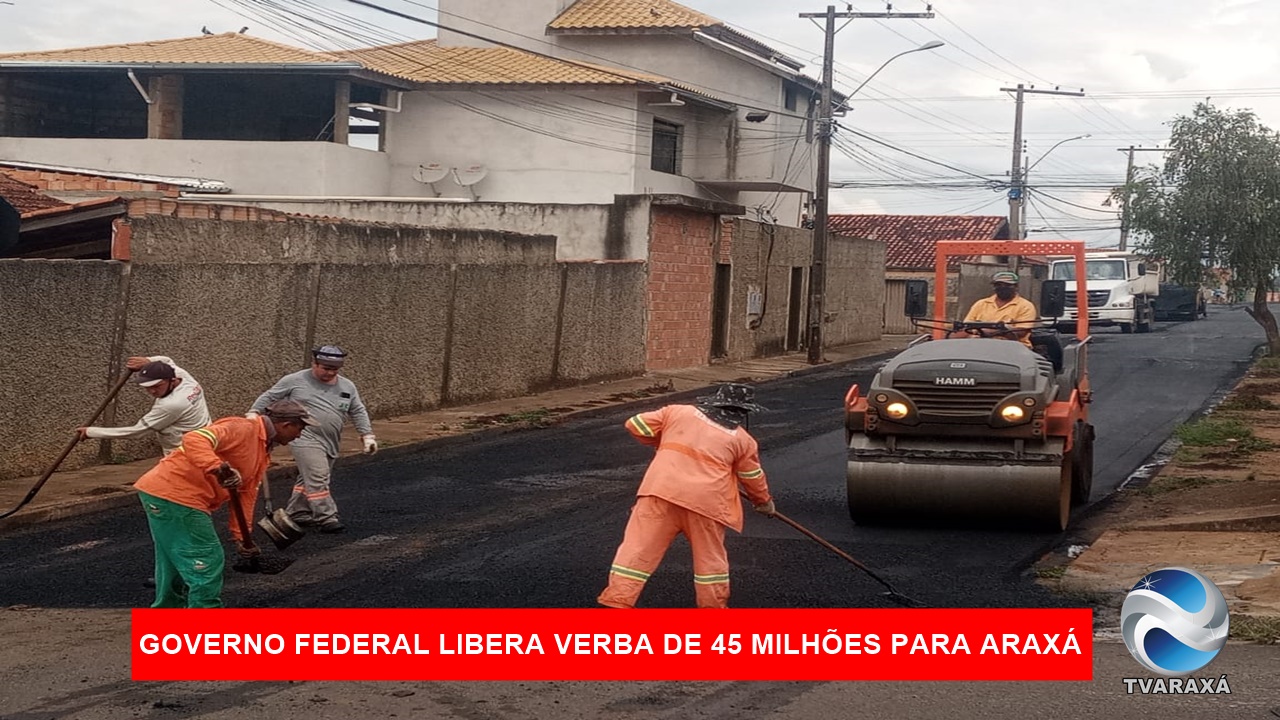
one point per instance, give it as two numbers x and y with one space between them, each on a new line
287 473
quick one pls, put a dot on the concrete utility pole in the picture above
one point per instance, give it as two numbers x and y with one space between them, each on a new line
1015 172
821 192
1128 180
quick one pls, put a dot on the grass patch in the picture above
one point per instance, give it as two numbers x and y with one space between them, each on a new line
540 417
1268 366
1249 402
1265 630
1161 484
1221 432
1051 573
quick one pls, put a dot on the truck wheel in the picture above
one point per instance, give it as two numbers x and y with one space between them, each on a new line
1144 327
1126 328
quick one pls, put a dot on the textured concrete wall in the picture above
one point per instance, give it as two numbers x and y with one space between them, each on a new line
602 332
59 319
763 257
161 239
855 291
392 321
503 330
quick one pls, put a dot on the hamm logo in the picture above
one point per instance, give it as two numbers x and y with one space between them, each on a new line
961 381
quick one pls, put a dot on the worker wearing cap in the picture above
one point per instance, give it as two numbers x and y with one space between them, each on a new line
179 405
1004 305
182 491
691 487
332 399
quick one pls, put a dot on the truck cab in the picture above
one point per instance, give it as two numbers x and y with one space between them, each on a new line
1121 288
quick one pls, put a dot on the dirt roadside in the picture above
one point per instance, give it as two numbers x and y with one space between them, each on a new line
1214 507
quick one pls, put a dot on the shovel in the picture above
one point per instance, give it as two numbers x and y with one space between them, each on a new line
277 524
257 563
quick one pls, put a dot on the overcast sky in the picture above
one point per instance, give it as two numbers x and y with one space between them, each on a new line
1140 63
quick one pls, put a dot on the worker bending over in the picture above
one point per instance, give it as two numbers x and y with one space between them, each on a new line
690 487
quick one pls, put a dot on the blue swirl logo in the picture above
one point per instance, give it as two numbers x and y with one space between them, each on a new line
1174 621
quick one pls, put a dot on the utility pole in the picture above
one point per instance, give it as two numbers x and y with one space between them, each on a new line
1128 180
1015 171
821 192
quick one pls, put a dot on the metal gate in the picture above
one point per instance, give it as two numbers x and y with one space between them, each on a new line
895 298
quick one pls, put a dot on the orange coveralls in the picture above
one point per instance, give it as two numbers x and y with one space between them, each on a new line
691 487
189 557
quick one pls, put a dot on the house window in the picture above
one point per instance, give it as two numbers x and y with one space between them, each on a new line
789 94
666 147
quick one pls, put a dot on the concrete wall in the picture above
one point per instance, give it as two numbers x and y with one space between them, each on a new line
57 334
582 232
763 257
492 316
266 168
161 239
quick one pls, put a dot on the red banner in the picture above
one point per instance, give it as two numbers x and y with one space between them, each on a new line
598 644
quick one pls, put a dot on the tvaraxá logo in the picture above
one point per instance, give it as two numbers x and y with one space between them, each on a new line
1174 622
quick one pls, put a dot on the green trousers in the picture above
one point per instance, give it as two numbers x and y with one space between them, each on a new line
189 556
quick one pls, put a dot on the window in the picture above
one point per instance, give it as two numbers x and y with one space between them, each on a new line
789 94
666 147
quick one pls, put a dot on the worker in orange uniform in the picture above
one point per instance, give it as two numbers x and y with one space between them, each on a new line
691 487
1006 306
181 492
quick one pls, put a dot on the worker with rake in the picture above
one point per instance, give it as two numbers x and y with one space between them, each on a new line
703 454
214 464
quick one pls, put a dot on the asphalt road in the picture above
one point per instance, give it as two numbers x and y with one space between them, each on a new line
531 519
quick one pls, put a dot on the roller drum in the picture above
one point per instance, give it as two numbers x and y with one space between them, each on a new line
977 482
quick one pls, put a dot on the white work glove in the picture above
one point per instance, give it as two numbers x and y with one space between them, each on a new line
370 444
767 509
252 414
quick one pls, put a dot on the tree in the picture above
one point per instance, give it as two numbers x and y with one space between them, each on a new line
1215 203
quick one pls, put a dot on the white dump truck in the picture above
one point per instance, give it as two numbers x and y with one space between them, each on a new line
1121 288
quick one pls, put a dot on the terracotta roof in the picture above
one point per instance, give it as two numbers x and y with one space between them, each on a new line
425 61
224 48
26 199
629 14
911 240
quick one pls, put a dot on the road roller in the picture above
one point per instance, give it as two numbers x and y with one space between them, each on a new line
976 430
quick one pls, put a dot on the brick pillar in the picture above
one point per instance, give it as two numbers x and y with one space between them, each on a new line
164 114
681 279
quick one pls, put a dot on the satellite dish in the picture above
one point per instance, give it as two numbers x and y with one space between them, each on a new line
430 174
468 176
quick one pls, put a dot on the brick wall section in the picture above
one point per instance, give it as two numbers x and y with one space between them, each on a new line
727 229
73 182
681 271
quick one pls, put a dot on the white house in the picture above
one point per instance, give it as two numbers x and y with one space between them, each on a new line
528 101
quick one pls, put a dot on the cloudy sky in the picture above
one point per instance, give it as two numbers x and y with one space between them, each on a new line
1139 63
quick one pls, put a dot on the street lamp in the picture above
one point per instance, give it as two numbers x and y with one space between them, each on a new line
818 266
1026 185
932 44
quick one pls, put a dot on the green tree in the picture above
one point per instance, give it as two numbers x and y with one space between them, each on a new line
1216 202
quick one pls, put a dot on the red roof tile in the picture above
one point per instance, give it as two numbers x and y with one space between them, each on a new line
25 198
912 240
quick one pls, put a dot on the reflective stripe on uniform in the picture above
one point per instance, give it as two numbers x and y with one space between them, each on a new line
639 425
751 474
208 435
711 579
629 572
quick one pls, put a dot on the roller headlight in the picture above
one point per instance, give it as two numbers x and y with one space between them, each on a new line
1012 413
896 410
